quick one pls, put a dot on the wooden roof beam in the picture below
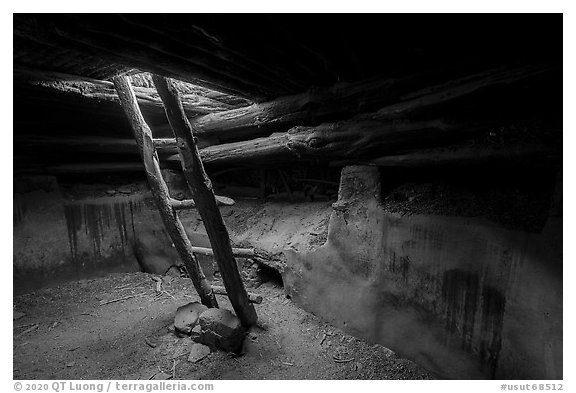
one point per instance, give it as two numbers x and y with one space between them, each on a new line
98 90
395 97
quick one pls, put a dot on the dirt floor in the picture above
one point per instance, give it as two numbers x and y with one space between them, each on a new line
70 332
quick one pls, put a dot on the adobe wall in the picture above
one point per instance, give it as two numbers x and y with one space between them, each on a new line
463 297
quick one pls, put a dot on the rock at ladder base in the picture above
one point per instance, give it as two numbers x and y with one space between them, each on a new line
221 329
187 317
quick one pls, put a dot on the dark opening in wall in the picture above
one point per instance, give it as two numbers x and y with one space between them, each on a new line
516 197
267 274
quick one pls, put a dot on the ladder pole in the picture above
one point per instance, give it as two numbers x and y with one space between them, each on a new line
203 195
143 136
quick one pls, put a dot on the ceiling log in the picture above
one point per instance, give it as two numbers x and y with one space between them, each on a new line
400 97
98 90
390 130
361 139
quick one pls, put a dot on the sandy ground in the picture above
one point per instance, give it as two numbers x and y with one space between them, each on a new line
67 333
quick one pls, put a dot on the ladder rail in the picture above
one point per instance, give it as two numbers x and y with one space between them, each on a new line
172 223
205 200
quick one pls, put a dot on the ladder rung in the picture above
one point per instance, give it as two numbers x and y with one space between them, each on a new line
185 204
253 297
237 252
164 143
224 201
190 204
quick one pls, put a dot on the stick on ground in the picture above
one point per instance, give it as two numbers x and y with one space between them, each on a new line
102 303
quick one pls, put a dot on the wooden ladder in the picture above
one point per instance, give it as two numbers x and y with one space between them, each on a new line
200 186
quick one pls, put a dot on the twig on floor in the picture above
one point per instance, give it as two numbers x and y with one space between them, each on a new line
169 294
323 339
339 360
287 364
153 375
18 315
158 281
233 356
131 286
150 343
23 326
30 329
102 303
173 368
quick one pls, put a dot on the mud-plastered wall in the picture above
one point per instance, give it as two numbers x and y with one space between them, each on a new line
463 297
56 237
104 229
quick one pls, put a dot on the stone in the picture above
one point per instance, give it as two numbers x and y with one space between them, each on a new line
187 317
220 320
195 333
221 329
198 352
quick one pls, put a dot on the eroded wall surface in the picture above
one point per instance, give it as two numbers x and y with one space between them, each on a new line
460 296
57 237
